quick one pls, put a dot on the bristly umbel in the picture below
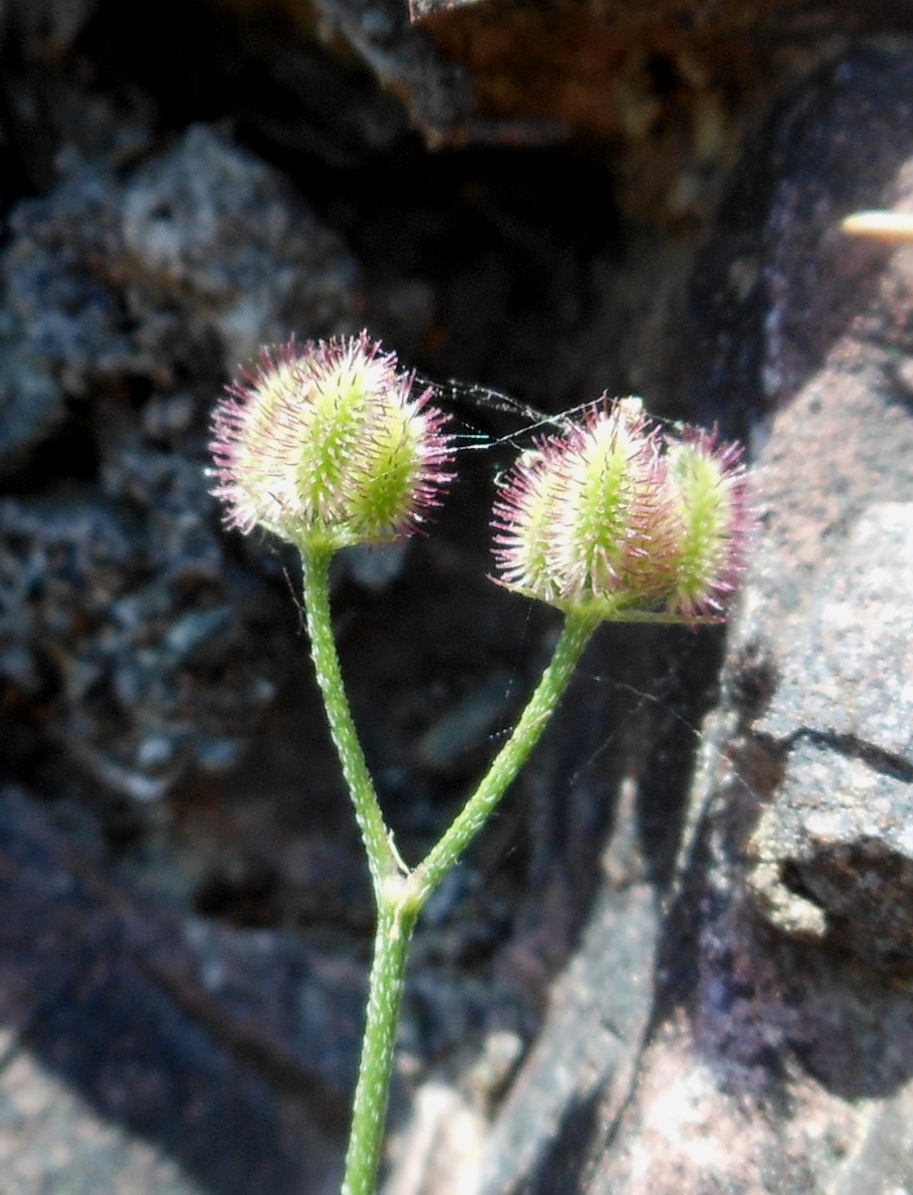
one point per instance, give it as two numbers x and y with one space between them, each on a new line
325 444
621 519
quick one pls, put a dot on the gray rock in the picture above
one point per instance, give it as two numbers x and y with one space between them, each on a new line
587 1053
115 612
202 248
850 676
831 857
212 229
832 854
32 405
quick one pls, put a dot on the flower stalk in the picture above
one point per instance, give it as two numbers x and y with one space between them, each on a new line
575 635
383 862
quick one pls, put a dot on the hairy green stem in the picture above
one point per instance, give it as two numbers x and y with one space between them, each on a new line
383 861
575 635
395 922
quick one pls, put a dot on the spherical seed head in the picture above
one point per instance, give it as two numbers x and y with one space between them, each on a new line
578 524
619 520
326 446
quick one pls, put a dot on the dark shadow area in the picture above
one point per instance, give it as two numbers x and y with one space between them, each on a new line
85 986
564 1166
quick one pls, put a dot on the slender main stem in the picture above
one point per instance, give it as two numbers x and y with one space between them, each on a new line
395 922
382 858
575 635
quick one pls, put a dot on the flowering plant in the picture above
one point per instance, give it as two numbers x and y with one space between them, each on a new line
614 518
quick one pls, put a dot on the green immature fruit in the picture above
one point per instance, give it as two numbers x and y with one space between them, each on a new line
618 519
326 446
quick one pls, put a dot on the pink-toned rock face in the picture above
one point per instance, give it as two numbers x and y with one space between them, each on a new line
782 987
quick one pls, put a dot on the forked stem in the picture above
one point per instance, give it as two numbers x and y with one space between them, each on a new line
401 895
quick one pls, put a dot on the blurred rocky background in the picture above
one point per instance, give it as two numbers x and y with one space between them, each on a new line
679 959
